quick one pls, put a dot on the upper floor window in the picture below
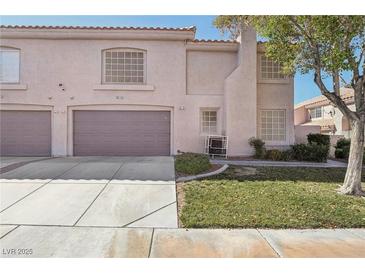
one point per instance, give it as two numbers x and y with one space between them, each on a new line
9 65
124 66
209 121
270 70
273 126
315 112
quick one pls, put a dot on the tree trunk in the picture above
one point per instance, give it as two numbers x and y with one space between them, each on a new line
352 183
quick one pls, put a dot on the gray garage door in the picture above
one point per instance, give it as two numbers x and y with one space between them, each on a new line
25 133
121 133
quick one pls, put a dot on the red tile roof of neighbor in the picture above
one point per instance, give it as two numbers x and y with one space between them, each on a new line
192 28
347 94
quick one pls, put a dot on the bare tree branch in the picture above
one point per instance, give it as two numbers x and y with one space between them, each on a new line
334 98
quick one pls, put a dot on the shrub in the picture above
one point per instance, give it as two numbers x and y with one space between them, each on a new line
287 155
259 147
274 155
319 139
299 150
192 163
343 142
339 153
310 152
342 148
279 155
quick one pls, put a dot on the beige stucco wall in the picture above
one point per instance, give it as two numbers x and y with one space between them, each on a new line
302 131
276 95
240 98
301 115
76 63
207 70
339 122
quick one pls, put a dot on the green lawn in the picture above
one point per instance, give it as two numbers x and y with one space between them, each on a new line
273 198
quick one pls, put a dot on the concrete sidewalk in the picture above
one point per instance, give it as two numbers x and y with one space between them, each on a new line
261 163
66 241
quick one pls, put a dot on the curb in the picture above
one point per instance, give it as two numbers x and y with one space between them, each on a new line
194 177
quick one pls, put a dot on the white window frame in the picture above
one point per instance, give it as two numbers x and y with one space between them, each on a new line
315 110
10 49
208 127
272 129
274 68
124 50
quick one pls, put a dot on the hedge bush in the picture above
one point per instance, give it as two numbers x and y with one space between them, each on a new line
310 152
342 148
319 139
259 147
192 163
279 155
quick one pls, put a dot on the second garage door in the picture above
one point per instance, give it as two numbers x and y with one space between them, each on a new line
121 133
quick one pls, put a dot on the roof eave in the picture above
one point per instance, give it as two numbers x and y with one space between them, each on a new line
96 34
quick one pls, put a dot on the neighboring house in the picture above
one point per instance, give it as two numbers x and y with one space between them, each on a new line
137 91
318 115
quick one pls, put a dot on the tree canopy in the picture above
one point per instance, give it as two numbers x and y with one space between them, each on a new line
328 46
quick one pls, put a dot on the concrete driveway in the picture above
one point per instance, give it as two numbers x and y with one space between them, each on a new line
90 192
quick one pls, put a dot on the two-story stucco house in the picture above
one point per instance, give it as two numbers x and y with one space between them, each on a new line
137 91
318 115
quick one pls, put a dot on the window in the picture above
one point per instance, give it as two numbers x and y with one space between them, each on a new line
270 70
9 65
315 112
124 66
273 125
209 121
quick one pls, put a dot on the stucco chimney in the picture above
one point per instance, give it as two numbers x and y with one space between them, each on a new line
240 95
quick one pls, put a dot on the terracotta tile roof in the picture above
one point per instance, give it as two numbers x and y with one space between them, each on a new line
192 28
347 94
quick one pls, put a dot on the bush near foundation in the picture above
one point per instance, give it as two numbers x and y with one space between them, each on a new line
319 139
310 152
279 155
343 149
259 147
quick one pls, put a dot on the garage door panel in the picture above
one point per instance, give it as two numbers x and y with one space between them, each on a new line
122 133
25 133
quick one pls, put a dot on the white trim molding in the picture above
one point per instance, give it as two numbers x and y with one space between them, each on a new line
13 87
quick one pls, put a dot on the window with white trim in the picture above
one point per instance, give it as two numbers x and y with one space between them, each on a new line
209 121
9 65
273 125
270 70
315 112
124 66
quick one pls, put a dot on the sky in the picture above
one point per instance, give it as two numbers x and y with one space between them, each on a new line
304 86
